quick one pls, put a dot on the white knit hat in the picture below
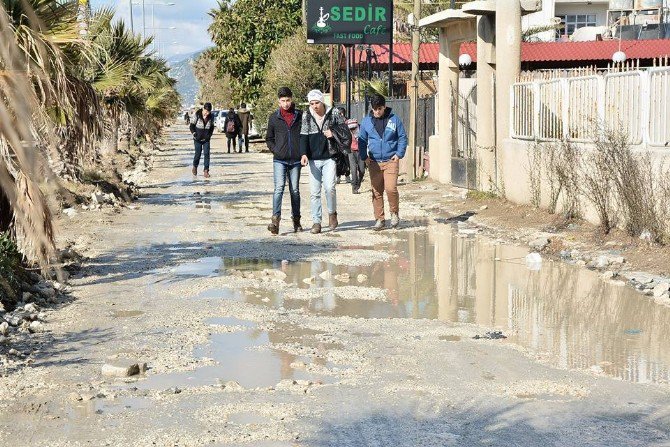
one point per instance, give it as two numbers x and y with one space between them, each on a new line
315 95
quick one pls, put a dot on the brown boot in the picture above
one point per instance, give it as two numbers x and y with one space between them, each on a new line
206 173
332 221
296 225
316 228
194 171
274 226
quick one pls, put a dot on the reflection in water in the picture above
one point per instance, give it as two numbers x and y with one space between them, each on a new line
569 313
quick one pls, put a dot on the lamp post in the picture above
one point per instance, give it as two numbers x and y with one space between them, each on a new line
153 18
157 35
132 23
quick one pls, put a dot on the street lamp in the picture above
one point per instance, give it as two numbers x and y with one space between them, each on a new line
153 4
157 35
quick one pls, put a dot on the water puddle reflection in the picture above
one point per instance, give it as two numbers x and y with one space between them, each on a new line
560 312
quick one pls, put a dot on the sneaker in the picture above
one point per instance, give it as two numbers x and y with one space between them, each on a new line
379 225
194 171
339 179
316 228
347 179
395 220
355 190
206 174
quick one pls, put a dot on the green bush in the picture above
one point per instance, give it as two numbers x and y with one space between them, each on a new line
10 263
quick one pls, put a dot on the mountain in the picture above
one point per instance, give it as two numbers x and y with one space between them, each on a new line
187 84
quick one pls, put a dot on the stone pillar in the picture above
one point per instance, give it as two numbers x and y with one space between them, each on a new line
440 159
486 132
508 62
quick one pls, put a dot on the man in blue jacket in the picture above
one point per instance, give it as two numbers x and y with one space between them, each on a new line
382 142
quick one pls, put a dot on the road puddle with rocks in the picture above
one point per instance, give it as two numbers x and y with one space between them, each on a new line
245 357
565 315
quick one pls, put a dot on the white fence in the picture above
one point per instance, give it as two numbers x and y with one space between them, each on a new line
637 102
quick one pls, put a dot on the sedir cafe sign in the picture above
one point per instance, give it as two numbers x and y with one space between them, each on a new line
349 21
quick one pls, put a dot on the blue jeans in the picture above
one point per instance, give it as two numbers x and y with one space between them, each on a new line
323 172
201 146
282 171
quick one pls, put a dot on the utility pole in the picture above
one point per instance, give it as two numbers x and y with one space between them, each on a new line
414 99
132 23
332 78
144 22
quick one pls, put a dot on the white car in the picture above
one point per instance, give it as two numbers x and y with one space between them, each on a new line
220 119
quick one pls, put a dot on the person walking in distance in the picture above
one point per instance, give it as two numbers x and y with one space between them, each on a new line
382 142
202 128
232 127
356 165
283 140
315 150
245 124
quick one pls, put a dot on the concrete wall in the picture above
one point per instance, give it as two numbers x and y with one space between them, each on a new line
514 163
553 8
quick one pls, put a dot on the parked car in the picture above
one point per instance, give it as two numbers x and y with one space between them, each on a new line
220 119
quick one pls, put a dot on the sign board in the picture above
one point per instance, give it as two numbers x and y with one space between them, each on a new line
350 21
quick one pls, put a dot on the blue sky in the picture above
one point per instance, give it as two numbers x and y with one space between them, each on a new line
188 17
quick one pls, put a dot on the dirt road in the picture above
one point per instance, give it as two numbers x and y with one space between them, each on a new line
348 338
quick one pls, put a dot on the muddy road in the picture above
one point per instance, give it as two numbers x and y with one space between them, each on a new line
347 338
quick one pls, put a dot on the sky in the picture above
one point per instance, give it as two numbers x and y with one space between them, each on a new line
189 18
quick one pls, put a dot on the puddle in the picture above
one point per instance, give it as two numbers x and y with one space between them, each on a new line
245 357
560 312
127 313
208 266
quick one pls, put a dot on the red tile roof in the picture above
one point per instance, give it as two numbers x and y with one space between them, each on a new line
532 52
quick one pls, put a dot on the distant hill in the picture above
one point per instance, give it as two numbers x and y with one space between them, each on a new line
182 71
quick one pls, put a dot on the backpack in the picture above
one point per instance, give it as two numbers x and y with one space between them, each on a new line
230 127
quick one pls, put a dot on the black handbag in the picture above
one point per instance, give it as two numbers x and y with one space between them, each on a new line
340 143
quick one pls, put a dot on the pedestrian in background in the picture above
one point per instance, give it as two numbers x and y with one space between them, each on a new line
245 124
202 128
232 125
356 165
382 142
283 140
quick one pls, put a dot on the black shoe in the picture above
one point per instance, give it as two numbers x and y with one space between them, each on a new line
296 225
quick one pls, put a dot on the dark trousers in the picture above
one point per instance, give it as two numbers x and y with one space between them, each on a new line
244 137
357 167
232 138
200 147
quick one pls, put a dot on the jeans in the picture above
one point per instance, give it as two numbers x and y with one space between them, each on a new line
323 172
201 146
282 171
243 138
357 167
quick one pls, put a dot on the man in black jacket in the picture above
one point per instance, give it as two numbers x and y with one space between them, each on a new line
202 128
283 140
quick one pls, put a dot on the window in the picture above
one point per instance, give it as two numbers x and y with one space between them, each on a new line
572 22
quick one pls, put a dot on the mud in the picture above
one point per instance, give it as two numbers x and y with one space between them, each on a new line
347 338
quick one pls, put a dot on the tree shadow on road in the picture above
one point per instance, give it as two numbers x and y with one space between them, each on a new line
519 424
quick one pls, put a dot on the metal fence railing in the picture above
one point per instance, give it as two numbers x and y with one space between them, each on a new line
636 101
